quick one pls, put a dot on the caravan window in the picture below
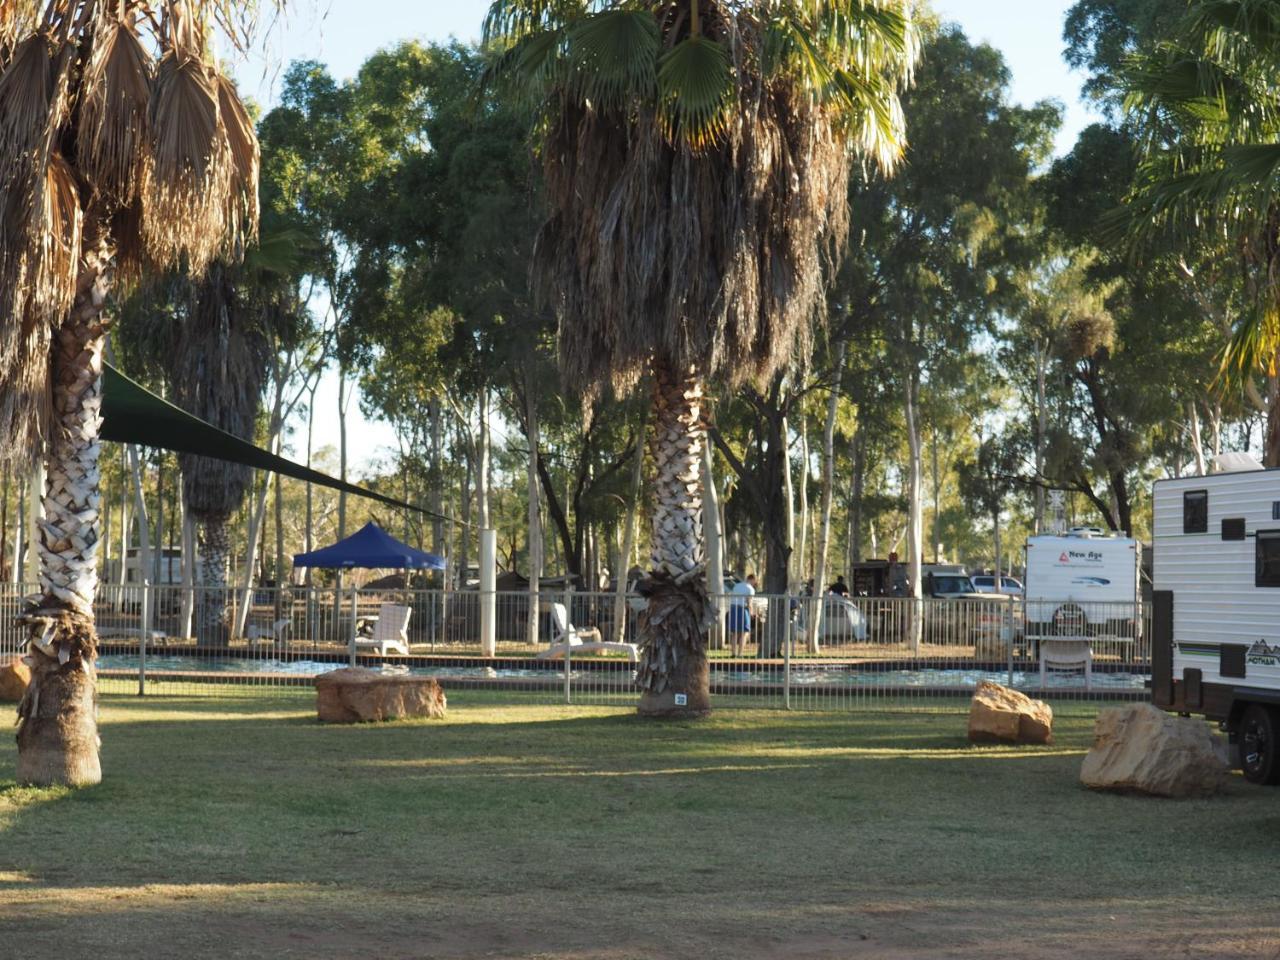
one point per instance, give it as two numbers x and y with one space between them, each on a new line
1195 511
1267 565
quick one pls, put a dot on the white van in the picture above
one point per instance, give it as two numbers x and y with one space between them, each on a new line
1084 583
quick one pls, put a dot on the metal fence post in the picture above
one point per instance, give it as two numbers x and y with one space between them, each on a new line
568 645
787 640
1009 621
144 629
351 651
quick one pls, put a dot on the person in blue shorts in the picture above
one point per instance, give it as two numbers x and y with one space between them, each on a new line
740 613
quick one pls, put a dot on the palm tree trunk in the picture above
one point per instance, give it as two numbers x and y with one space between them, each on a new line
212 628
673 673
58 727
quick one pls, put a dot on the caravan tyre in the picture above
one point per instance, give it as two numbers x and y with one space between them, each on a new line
1259 750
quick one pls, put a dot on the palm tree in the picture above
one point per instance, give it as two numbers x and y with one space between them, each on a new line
1207 106
209 337
112 162
696 156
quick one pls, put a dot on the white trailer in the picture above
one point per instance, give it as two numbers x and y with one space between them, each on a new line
1216 608
1085 583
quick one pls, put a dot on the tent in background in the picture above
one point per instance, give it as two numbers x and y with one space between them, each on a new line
369 548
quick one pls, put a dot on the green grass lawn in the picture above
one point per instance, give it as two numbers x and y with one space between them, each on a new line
239 827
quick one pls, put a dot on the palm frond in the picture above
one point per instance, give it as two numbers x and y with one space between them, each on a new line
113 145
242 198
695 91
509 21
613 56
1254 346
58 233
184 210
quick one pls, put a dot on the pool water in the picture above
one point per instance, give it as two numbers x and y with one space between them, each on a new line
826 676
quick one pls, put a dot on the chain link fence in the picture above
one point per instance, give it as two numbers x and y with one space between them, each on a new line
805 653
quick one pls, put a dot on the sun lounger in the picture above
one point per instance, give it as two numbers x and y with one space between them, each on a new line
390 630
569 637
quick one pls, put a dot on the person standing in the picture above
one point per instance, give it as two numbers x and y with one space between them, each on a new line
740 613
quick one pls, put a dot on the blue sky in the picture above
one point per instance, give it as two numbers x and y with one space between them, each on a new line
343 33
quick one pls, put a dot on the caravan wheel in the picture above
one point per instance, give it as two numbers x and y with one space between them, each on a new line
1258 747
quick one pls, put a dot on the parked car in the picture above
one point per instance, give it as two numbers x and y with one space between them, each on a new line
986 583
842 621
967 615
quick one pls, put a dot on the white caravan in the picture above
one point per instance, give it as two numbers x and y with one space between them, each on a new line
1084 583
1216 608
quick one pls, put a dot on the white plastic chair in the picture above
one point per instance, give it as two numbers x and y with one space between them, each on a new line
1066 652
390 630
569 637
273 634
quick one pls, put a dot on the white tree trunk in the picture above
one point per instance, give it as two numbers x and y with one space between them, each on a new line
915 526
125 520
19 531
629 541
251 558
1041 430
802 544
138 475
482 464
788 491
189 561
828 483
535 514
1197 443
34 520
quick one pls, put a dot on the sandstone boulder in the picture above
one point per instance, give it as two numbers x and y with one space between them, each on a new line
14 677
1141 749
354 694
1001 715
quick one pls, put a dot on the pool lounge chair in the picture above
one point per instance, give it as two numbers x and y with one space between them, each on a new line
569 637
390 630
1066 652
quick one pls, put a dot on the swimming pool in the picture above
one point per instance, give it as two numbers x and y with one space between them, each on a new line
828 676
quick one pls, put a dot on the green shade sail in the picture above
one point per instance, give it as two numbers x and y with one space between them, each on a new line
133 414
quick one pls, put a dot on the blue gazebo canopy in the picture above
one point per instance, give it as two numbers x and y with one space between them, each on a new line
369 547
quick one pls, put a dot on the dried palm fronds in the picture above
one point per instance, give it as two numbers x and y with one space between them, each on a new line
113 146
26 91
242 199
57 234
25 403
696 159
185 192
26 99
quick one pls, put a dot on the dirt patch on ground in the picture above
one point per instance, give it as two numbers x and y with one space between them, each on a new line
271 920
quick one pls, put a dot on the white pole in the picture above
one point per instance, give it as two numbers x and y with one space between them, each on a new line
351 648
488 596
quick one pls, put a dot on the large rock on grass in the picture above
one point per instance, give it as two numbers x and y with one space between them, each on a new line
1141 749
14 677
1001 715
354 694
